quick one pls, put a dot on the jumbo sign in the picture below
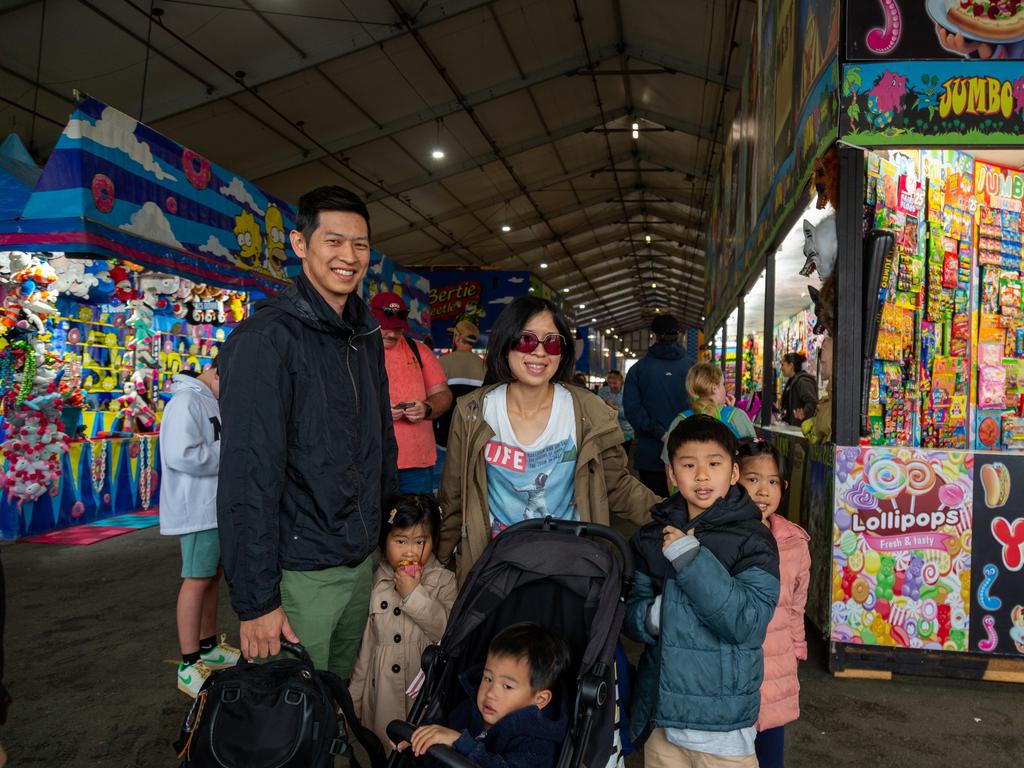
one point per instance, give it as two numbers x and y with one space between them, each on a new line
980 96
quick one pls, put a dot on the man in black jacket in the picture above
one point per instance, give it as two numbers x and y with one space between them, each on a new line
308 454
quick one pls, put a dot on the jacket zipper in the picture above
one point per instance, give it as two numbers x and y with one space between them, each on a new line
355 393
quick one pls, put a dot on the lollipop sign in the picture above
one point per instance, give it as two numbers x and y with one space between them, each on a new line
901 552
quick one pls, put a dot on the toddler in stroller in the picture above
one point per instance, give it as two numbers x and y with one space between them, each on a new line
506 722
550 573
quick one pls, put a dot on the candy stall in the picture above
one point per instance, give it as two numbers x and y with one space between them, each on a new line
132 261
913 484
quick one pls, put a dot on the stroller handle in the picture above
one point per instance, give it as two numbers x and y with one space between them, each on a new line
399 731
580 528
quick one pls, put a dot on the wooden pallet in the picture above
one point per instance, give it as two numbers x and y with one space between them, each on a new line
871 662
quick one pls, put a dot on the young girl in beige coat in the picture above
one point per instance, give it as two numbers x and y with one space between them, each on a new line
409 606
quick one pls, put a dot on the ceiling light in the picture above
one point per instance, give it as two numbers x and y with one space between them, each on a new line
437 154
636 130
608 330
593 319
506 228
543 265
565 290
647 239
583 306
657 309
654 285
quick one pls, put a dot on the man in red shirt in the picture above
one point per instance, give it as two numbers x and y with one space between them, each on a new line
418 389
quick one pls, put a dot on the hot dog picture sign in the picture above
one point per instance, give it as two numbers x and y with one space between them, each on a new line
997 615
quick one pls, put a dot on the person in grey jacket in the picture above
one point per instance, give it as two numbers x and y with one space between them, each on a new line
655 393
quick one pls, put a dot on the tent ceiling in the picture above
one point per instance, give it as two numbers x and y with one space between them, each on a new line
532 102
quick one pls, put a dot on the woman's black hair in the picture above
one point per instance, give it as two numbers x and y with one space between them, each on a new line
509 327
411 509
796 359
755 447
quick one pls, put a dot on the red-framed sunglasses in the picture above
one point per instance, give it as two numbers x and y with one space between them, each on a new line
528 340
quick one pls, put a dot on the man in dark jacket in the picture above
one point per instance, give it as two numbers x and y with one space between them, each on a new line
308 454
655 393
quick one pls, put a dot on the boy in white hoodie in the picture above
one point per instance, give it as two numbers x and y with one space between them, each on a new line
190 459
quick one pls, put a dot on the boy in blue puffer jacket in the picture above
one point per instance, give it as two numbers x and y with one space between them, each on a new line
707 582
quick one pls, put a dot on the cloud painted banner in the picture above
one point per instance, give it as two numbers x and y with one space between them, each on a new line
117 189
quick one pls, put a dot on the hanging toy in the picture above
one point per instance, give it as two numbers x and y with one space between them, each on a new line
122 284
134 407
32 388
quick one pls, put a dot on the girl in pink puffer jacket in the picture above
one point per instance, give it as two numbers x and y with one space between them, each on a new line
761 474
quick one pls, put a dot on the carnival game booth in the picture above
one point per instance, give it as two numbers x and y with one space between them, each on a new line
132 260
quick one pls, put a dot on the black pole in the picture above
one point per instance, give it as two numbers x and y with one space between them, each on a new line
739 349
768 364
849 309
725 342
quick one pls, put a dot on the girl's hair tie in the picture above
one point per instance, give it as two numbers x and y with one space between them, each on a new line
391 517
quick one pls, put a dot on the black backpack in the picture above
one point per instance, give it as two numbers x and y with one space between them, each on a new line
283 713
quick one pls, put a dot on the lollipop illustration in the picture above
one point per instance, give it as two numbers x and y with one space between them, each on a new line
886 478
920 480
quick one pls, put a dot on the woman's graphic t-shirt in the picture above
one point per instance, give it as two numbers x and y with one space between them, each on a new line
535 480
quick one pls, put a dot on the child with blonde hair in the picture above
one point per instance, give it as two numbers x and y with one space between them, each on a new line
705 384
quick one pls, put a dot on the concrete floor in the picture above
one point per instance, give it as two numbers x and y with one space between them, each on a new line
91 651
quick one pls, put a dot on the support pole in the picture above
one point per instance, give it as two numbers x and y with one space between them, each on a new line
849 310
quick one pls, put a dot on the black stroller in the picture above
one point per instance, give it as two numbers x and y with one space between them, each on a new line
552 573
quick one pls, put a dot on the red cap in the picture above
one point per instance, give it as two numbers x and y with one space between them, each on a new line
390 311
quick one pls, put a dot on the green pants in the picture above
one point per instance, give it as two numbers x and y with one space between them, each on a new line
328 610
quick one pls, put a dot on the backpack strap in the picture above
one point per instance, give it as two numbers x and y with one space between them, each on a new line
415 350
366 737
725 416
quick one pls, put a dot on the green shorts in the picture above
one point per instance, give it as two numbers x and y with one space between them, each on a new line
200 554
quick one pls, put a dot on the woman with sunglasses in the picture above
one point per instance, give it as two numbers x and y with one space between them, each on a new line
526 444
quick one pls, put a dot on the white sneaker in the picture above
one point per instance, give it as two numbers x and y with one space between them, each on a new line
192 677
221 655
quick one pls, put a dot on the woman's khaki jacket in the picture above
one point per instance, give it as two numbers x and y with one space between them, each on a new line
602 481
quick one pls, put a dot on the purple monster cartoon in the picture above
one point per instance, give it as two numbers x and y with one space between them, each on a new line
1018 95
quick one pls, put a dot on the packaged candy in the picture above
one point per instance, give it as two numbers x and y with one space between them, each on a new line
1009 296
990 290
950 265
990 353
991 387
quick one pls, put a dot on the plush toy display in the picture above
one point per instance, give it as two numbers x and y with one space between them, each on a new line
31 383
